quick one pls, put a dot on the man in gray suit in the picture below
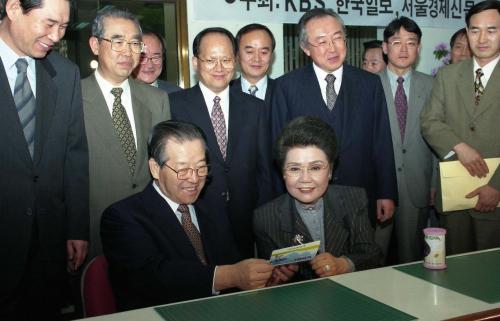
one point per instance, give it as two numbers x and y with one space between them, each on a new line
406 91
43 162
119 114
461 121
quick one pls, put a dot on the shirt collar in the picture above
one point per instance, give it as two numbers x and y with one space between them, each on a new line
210 95
393 78
321 74
9 57
261 84
106 86
488 68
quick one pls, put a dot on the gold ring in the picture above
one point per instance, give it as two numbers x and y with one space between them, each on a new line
326 268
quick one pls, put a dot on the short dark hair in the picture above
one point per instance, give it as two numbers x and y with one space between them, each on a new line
111 12
480 7
461 32
172 130
402 22
149 32
313 14
306 131
375 44
252 27
26 5
199 37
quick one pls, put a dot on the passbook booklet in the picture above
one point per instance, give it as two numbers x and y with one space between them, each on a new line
294 254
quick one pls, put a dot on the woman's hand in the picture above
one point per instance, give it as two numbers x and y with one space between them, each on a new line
325 264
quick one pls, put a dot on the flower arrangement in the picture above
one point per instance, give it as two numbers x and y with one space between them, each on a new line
443 55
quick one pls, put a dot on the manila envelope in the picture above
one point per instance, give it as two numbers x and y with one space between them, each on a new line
456 182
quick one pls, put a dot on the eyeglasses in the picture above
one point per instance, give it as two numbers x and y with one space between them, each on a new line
315 170
185 173
326 42
399 43
156 60
120 45
226 63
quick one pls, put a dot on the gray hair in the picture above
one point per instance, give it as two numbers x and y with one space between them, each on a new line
111 12
314 14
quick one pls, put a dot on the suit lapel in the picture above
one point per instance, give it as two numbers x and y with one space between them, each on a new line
142 117
269 90
414 100
10 125
391 108
465 84
97 110
236 122
198 111
291 223
165 219
46 97
334 212
491 95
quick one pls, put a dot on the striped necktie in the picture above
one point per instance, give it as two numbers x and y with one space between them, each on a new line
25 104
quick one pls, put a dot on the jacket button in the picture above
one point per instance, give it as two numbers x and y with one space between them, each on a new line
399 169
35 178
404 151
29 212
472 128
134 185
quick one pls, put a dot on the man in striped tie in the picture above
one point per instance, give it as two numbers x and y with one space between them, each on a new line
43 161
460 122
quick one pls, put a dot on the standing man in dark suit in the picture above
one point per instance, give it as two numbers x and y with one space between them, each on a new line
406 92
236 129
151 63
460 121
351 100
161 248
255 47
119 114
43 159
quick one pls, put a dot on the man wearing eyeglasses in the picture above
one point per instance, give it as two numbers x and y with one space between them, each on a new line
406 91
151 63
236 129
119 114
351 100
163 248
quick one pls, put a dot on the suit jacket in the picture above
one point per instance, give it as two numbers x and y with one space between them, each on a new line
451 116
151 259
240 183
110 178
415 163
236 85
347 228
359 119
46 196
167 86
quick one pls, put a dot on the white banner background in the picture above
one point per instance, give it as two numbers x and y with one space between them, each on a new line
446 14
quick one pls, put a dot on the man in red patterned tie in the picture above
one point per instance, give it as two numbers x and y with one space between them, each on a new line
161 248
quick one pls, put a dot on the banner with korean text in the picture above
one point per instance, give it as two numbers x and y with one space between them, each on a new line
447 14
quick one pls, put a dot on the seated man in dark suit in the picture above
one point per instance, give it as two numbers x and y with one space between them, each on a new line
161 248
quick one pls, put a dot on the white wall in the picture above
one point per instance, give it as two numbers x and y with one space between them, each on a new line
430 38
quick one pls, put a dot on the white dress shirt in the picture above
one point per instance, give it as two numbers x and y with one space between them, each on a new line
9 58
321 75
126 98
487 70
261 87
209 96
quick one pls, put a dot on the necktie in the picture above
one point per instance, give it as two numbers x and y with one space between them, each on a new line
252 90
25 104
124 129
331 95
219 125
192 232
478 86
401 104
